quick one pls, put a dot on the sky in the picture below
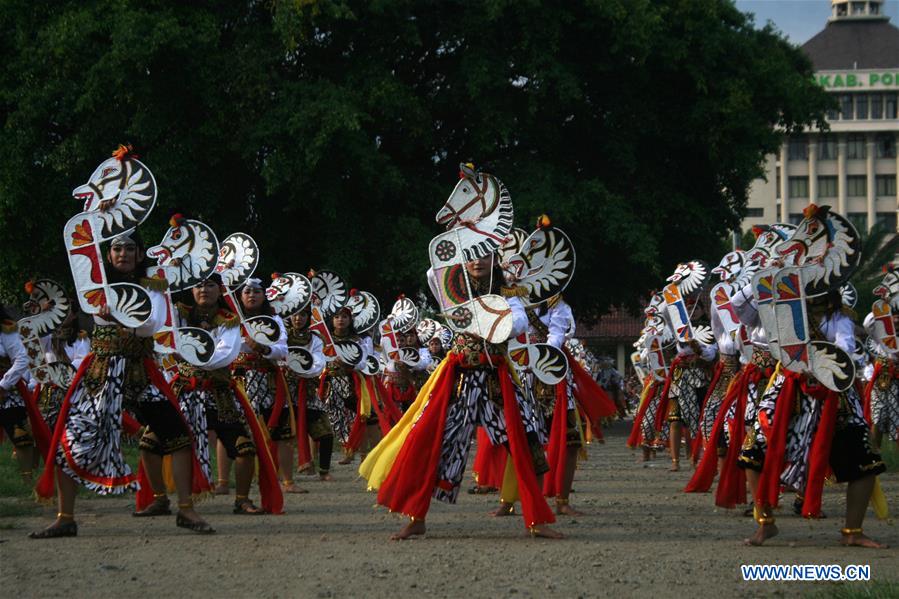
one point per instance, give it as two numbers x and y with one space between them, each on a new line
800 20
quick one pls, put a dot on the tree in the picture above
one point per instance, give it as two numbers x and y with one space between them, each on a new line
332 130
878 250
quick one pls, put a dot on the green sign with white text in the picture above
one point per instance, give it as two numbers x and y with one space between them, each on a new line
857 80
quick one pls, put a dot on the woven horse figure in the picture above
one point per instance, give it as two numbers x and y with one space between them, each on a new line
186 257
545 264
823 252
47 308
482 206
289 293
238 258
479 216
118 197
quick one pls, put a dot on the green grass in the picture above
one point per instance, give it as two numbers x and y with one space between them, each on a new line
855 590
12 487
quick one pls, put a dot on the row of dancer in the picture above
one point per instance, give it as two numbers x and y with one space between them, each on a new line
782 407
255 374
220 365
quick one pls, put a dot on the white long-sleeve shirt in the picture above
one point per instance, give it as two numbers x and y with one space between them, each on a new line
725 339
228 343
839 330
317 349
11 347
368 349
76 351
558 321
747 310
519 317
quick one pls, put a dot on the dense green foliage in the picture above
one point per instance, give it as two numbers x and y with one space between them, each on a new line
879 248
332 130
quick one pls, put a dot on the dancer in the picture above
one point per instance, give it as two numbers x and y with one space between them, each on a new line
689 374
810 417
120 372
304 387
13 395
426 453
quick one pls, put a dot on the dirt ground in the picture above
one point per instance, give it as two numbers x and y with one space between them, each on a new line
642 536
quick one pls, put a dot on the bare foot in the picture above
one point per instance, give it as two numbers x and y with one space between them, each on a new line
675 466
764 532
504 509
293 489
347 460
567 510
222 489
307 469
325 477
545 532
415 528
861 540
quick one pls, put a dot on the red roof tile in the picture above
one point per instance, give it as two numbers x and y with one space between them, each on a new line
616 324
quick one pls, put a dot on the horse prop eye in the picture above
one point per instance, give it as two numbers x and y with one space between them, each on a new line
176 234
465 190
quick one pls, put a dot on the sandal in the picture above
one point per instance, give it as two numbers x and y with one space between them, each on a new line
200 526
245 507
479 490
159 507
55 531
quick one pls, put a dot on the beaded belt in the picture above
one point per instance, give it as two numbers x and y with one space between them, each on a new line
113 340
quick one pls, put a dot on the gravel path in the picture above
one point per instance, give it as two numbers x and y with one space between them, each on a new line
642 536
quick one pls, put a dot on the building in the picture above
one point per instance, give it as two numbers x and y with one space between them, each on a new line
853 167
612 335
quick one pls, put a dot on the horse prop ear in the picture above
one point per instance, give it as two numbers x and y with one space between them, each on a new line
466 169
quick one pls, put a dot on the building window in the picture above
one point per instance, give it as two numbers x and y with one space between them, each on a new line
885 185
777 192
797 149
889 105
876 106
888 220
858 8
846 112
861 106
779 210
796 218
855 147
827 187
755 212
859 220
856 186
886 145
798 187
827 148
